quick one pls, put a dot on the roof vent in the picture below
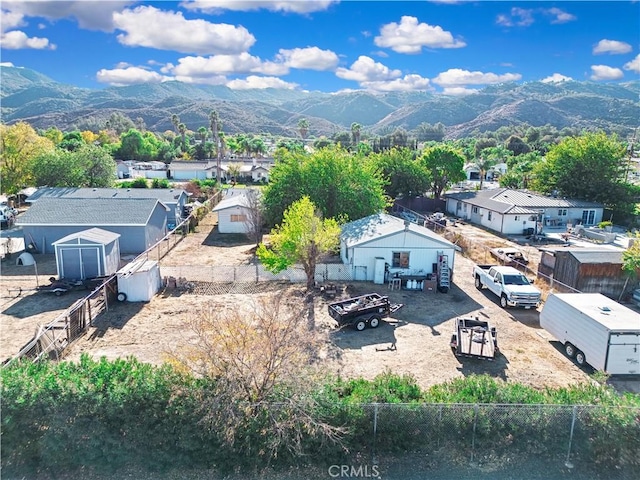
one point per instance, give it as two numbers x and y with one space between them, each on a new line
604 310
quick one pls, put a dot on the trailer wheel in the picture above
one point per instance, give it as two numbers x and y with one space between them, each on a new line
58 293
360 325
503 301
374 321
580 358
570 350
478 283
122 297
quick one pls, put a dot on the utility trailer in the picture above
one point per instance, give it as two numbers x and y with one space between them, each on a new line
363 311
474 338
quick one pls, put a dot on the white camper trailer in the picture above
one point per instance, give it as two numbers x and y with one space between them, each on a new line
595 330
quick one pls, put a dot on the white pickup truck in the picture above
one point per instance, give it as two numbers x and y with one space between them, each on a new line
513 288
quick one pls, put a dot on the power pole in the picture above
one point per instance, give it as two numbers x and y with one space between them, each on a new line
630 155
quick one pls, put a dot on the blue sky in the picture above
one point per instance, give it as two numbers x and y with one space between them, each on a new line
450 47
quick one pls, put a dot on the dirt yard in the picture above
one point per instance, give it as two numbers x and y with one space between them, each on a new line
415 341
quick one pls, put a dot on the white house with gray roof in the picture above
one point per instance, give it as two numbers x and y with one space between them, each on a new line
172 198
234 212
514 212
141 222
407 248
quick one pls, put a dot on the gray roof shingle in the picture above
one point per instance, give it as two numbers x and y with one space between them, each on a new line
90 211
165 195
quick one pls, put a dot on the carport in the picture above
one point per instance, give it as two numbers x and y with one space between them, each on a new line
87 254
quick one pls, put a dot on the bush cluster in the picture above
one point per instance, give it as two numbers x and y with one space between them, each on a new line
106 415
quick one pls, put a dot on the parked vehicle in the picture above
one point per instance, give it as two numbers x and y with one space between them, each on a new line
509 256
7 216
60 287
474 338
363 311
594 330
509 284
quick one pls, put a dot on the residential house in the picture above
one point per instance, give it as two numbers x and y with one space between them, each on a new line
140 222
382 241
234 213
173 198
517 212
192 170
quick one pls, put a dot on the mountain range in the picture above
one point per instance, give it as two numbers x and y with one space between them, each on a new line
37 99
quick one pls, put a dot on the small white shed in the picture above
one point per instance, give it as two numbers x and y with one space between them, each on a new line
138 281
234 213
87 254
382 245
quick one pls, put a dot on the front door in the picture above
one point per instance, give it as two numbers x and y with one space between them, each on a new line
588 217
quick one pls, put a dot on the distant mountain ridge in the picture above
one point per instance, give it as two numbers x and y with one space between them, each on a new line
33 97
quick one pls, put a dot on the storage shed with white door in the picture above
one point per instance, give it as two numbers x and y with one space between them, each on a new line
594 330
87 254
139 281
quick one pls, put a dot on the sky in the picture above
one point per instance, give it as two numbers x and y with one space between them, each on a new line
449 47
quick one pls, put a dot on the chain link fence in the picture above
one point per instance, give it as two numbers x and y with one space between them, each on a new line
479 433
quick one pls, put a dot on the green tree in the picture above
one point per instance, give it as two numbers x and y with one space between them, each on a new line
303 237
589 167
98 166
338 183
89 166
19 145
516 145
72 141
403 174
444 164
355 133
54 134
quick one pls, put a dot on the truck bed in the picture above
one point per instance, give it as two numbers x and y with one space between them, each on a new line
347 310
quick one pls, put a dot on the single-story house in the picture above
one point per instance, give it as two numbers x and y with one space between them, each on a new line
173 198
141 222
472 171
514 212
380 246
87 254
234 213
586 270
192 170
152 169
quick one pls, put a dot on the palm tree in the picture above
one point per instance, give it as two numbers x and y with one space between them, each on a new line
216 126
355 133
303 128
175 120
202 131
182 129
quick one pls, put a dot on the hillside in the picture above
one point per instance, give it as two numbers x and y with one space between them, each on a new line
30 96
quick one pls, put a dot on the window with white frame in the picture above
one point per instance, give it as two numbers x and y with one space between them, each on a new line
475 210
400 260
562 212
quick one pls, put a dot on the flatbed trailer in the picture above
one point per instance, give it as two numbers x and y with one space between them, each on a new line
363 311
474 338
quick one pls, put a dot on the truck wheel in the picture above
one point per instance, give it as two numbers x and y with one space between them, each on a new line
360 325
580 358
122 297
478 283
503 301
570 350
374 321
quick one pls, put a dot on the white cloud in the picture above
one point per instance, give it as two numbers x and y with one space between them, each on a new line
10 20
129 76
518 17
310 58
96 15
611 46
6 64
458 91
253 81
556 78
17 40
366 70
212 80
458 77
146 26
633 65
408 83
409 36
295 6
604 72
560 16
196 67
